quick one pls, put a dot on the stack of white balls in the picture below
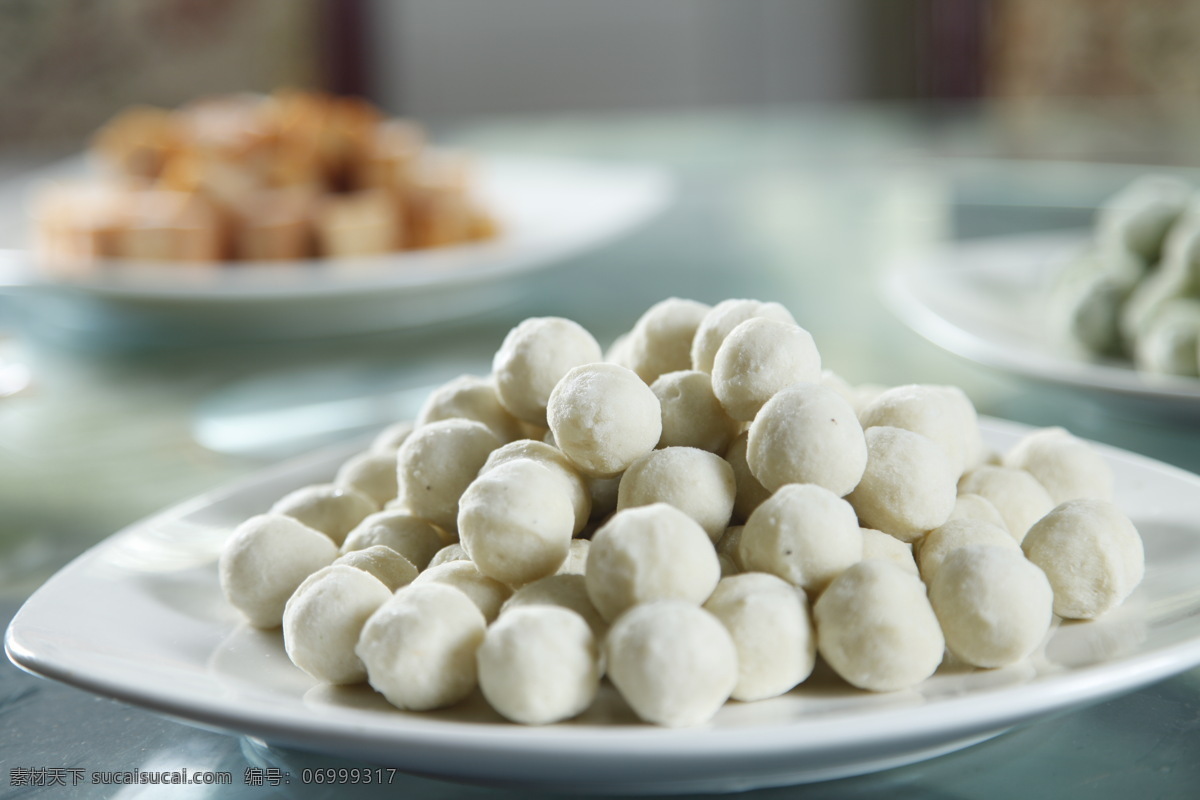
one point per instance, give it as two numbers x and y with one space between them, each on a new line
667 517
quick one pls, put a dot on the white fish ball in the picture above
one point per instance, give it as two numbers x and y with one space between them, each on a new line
488 594
324 617
994 606
551 457
515 522
419 647
692 416
1091 553
332 510
264 561
908 486
661 340
603 418
471 397
649 553
534 357
757 359
723 318
769 622
697 482
875 627
412 537
436 464
1068 467
804 533
1015 493
672 661
807 434
392 569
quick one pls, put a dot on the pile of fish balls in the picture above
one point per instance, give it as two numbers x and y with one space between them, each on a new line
698 515
1134 293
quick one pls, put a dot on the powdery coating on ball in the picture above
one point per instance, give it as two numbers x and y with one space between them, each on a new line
876 629
515 522
673 662
723 318
757 359
385 564
451 552
470 397
649 553
488 594
437 463
750 493
963 413
807 434
371 474
264 561
390 438
419 647
539 664
926 410
603 418
568 591
418 540
552 458
533 358
577 554
955 534
877 544
1092 555
323 618
1015 493
974 506
805 534
1066 466
908 485
769 622
692 416
994 606
661 340
697 482
332 510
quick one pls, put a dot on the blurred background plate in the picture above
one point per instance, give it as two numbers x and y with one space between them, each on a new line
986 300
548 209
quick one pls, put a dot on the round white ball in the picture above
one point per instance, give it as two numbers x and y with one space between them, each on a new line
552 458
649 553
533 358
371 474
750 493
877 544
692 416
927 410
672 661
412 537
603 418
566 590
661 340
804 533
908 485
1091 553
389 567
769 622
994 606
515 522
470 397
876 629
488 594
1015 493
539 664
323 619
697 482
757 359
723 318
435 465
807 434
332 510
1068 467
264 561
955 534
419 647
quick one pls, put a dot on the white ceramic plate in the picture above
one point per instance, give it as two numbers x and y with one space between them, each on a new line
548 210
140 617
986 299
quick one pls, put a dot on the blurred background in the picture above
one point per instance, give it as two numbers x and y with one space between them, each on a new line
798 147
